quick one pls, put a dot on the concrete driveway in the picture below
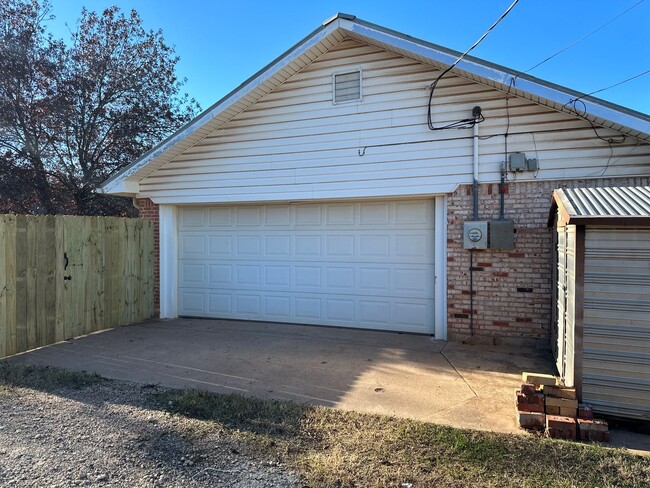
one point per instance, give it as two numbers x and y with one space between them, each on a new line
374 372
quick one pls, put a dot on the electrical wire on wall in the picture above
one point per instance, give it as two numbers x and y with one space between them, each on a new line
469 122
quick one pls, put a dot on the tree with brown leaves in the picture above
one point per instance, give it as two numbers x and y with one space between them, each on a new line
73 114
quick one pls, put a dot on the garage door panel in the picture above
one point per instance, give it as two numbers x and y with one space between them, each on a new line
379 280
361 264
396 214
390 313
372 246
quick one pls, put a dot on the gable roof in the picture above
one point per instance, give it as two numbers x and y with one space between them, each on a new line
344 26
602 206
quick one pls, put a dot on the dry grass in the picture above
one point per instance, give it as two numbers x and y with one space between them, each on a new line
332 448
43 377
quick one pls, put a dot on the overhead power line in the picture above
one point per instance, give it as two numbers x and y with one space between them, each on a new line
465 122
619 83
583 37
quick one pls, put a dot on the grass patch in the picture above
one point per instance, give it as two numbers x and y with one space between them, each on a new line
333 448
43 377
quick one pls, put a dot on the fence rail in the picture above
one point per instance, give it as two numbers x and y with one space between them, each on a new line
66 276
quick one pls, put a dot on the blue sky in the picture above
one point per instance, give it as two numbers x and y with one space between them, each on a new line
221 43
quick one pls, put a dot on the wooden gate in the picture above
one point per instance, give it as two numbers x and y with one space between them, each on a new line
65 276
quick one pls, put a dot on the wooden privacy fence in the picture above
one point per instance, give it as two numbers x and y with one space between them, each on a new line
65 276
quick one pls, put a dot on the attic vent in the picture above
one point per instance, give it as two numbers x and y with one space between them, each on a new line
347 86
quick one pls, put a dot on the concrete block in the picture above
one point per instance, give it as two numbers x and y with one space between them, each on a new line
550 410
600 425
561 402
560 392
538 378
568 412
531 420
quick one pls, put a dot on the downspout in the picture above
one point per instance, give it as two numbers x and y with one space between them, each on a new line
475 163
476 113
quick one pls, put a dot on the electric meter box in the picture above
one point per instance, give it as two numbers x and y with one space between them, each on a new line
475 235
517 162
502 234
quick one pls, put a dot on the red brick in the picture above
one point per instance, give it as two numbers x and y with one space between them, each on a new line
560 427
593 430
528 389
530 407
585 411
600 425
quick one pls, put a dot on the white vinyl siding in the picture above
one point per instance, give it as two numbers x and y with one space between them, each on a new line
295 144
353 264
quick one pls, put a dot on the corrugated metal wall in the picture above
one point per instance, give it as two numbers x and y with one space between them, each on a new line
616 337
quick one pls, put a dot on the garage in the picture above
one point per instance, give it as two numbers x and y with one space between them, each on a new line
364 264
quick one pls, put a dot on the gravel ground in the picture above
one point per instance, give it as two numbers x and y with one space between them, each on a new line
104 435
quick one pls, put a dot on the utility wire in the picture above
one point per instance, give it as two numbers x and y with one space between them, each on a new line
583 37
616 84
465 122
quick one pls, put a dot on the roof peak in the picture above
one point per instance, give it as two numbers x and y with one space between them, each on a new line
339 15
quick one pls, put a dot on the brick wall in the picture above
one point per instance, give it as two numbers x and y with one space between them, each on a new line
512 289
149 211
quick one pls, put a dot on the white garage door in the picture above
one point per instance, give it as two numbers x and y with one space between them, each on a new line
357 264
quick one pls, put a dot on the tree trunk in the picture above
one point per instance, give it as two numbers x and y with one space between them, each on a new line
42 186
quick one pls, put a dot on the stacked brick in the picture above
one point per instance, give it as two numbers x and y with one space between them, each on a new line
544 405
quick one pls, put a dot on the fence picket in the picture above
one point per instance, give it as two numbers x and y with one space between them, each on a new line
10 275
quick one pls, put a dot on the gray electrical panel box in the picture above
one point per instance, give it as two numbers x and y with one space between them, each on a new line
475 235
517 162
531 164
502 234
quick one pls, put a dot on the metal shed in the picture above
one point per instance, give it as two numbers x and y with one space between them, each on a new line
601 318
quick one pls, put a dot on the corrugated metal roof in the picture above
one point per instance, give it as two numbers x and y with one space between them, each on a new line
604 205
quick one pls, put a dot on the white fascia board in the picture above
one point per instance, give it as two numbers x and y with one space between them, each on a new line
122 188
522 83
222 105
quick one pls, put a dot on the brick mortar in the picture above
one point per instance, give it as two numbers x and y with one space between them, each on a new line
500 310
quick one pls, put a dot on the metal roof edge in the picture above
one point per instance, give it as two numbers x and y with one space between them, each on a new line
504 75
